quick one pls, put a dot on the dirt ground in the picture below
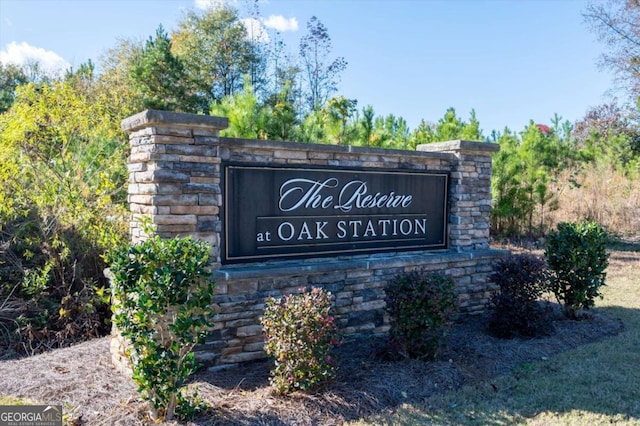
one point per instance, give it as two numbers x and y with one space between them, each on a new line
82 379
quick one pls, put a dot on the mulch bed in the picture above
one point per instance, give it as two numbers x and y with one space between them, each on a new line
93 393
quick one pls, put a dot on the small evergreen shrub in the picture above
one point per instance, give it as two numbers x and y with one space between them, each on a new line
421 308
577 257
300 334
515 308
162 301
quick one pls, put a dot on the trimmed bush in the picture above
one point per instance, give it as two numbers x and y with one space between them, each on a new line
300 334
577 257
515 308
162 300
421 308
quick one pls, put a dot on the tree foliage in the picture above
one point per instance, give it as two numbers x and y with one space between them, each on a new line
609 133
62 180
216 50
246 118
160 78
11 76
577 257
163 297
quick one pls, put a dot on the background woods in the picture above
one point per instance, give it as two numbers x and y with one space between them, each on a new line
63 156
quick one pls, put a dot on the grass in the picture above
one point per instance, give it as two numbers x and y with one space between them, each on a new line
594 384
10 400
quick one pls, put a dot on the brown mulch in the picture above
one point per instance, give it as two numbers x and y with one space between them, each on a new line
83 380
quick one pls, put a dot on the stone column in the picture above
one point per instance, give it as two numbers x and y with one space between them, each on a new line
174 175
174 181
470 192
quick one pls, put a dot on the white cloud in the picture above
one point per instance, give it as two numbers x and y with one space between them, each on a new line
280 23
255 30
208 4
23 53
204 4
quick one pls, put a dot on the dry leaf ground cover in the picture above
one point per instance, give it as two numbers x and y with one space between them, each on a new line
478 378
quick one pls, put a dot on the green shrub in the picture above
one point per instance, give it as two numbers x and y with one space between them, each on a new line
53 287
162 300
421 307
300 334
514 307
577 257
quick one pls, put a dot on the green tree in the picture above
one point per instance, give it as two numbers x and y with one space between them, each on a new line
609 134
471 130
577 257
510 203
366 122
400 137
115 86
247 119
337 112
382 133
312 128
11 76
422 134
159 77
282 119
216 51
526 175
449 127
64 152
162 299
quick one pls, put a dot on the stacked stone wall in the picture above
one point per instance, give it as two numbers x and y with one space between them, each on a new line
175 180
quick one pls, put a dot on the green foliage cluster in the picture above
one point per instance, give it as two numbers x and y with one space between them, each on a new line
522 280
526 173
421 309
61 207
577 258
533 169
300 334
573 270
162 300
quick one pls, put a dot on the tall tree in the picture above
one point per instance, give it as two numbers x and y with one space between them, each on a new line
367 124
115 84
216 51
449 127
246 117
424 133
282 119
471 130
617 24
609 133
321 73
338 110
159 76
510 201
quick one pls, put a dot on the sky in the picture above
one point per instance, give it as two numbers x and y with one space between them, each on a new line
511 60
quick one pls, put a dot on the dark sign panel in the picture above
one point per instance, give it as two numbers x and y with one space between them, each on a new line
291 212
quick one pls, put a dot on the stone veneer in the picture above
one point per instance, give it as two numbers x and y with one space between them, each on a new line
175 176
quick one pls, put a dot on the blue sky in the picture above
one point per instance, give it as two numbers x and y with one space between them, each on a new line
511 61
